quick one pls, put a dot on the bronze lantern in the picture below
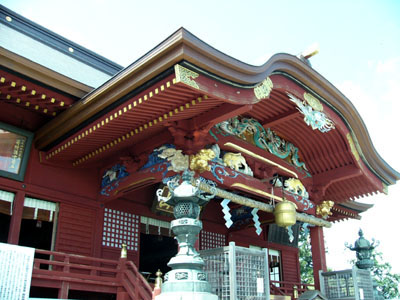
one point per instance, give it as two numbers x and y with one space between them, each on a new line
285 213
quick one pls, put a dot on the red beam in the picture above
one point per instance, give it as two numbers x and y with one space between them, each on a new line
222 113
285 117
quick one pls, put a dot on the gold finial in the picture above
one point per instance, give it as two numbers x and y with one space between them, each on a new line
124 252
158 282
295 292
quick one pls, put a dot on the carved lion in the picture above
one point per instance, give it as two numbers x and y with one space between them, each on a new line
324 209
237 162
179 161
199 162
295 186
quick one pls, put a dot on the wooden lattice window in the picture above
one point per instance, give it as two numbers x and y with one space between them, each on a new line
120 228
210 240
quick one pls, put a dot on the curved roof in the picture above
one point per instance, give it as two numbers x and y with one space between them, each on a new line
184 47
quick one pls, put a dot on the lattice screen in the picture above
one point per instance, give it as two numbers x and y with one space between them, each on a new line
210 240
121 227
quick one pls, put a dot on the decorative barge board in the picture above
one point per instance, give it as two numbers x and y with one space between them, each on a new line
254 136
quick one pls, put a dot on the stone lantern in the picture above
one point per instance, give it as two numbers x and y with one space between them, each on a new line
363 250
186 280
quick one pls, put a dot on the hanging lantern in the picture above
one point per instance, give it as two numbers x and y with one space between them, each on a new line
285 213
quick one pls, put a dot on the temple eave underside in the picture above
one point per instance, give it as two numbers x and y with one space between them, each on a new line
184 109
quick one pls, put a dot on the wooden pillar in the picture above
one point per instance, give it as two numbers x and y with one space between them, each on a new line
121 292
64 290
318 253
15 223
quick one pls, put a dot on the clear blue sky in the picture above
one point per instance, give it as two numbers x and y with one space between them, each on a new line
359 53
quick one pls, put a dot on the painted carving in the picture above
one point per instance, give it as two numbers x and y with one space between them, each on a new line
199 162
186 76
154 157
253 132
313 102
111 178
237 162
179 162
324 209
312 116
219 172
264 89
295 186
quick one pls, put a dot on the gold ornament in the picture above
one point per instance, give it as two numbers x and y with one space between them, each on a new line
186 76
263 90
353 147
285 213
313 102
324 209
295 186
199 162
179 161
158 282
124 252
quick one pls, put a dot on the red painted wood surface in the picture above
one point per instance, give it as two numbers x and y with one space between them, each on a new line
318 253
76 230
290 265
77 272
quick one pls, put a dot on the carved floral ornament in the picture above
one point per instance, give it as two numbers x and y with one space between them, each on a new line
186 76
263 90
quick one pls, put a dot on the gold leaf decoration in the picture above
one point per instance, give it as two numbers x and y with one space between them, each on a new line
263 90
186 76
313 102
353 147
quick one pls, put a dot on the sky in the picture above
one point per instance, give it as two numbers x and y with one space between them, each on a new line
359 45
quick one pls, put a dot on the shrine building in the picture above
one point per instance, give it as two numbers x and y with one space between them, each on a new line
85 145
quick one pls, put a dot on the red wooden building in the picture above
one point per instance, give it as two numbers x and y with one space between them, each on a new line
85 144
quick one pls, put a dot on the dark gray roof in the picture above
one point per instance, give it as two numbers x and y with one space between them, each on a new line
57 42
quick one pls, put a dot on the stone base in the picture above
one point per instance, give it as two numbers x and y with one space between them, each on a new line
186 296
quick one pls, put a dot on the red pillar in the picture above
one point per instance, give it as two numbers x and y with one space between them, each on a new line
15 223
318 253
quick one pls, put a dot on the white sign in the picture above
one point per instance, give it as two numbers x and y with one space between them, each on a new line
260 285
16 264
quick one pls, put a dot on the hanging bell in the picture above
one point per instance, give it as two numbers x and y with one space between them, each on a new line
285 213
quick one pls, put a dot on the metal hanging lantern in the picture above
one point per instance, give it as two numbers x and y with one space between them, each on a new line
285 213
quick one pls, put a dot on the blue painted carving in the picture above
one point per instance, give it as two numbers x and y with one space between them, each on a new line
220 172
305 201
264 139
163 167
153 158
112 177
